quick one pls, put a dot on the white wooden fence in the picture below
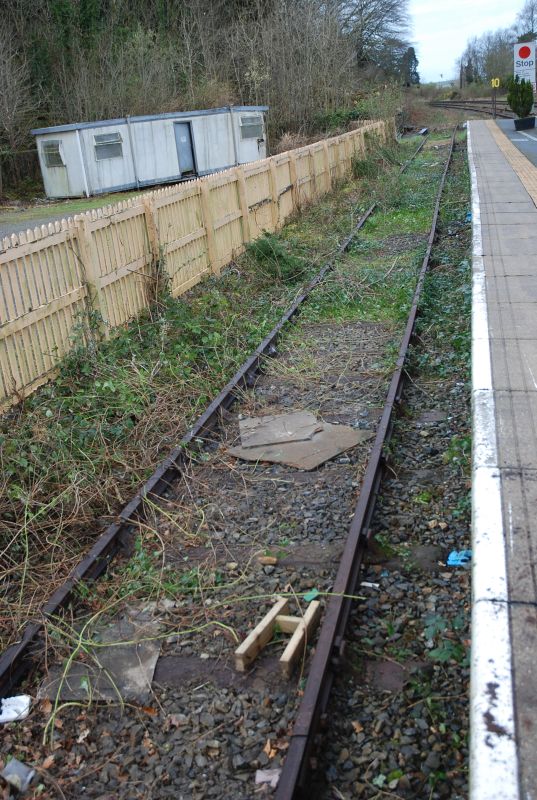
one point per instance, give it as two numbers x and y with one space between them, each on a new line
106 260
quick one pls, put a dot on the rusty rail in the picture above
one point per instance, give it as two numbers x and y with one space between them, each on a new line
330 644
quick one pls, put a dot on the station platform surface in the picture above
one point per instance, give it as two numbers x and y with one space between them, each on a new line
503 738
525 141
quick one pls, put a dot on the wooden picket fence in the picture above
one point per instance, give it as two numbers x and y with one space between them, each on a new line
107 260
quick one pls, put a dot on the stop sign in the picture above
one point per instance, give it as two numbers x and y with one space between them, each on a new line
524 65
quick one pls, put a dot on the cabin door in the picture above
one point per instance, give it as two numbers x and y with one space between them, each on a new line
185 151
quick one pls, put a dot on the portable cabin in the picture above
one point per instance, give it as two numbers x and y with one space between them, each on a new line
113 155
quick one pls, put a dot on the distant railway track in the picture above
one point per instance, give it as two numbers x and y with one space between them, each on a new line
477 106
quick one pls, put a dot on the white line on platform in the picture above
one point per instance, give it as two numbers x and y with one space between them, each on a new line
528 136
493 755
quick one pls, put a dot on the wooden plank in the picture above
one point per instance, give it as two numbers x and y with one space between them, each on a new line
288 624
41 312
326 155
186 191
101 222
192 281
152 230
231 217
300 637
177 244
294 183
139 266
255 168
8 402
91 270
208 223
243 202
259 637
20 250
273 183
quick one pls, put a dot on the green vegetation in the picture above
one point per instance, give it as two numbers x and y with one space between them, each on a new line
273 260
446 635
75 451
520 96
76 60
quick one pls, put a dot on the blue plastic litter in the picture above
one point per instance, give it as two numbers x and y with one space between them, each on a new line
384 574
469 216
459 558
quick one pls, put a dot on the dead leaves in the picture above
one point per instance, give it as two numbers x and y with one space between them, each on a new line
435 523
274 746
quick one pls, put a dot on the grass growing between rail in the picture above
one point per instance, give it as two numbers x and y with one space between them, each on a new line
75 451
437 514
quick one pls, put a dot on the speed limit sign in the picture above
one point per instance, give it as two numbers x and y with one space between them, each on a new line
495 83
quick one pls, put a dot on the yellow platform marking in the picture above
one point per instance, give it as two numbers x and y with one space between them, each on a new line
525 170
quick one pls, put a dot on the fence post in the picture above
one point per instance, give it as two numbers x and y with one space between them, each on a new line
243 201
152 230
295 191
205 197
274 205
91 272
327 165
150 216
313 177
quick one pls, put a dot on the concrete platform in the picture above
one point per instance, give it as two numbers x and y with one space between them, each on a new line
503 752
525 141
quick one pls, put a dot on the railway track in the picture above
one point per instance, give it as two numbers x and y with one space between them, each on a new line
184 475
19 658
331 643
486 107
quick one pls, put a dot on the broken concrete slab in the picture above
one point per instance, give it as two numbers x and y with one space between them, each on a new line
324 445
120 662
296 426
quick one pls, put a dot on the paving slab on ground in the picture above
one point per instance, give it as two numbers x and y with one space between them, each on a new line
504 171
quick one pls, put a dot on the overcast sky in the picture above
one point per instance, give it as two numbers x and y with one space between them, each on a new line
441 28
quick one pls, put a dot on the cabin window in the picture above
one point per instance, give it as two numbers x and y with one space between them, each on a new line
108 145
52 154
252 127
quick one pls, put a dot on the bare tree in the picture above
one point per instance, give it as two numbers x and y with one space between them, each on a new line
371 23
17 106
526 20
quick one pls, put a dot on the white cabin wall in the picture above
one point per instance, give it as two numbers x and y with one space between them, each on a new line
249 149
213 143
67 181
110 173
155 150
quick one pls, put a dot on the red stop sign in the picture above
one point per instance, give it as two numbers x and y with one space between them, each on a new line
524 52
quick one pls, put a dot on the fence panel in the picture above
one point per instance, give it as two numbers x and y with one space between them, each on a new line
119 247
42 291
284 186
182 236
107 260
226 214
259 198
